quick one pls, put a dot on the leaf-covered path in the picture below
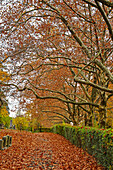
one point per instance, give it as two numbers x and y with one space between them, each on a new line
43 151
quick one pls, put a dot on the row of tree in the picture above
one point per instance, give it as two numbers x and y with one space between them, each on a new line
59 56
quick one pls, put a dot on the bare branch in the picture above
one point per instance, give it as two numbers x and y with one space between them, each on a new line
93 85
108 73
105 18
107 3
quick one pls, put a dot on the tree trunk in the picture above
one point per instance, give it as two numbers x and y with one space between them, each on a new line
102 111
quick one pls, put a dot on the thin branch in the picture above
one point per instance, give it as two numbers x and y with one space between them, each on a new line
105 19
107 3
90 3
108 73
56 113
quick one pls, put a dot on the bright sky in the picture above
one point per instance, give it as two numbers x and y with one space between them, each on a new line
13 105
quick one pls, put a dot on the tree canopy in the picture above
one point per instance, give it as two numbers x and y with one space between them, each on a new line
60 53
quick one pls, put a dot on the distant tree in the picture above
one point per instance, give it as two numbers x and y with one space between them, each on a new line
4 109
20 123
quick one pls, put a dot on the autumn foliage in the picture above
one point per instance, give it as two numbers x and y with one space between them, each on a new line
43 151
59 54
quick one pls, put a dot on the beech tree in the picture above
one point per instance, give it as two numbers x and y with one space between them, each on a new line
61 51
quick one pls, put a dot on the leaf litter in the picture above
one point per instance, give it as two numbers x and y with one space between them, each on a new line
44 151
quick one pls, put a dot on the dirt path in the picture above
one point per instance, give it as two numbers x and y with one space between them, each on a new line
44 151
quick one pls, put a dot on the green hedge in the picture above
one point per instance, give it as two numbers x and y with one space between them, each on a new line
43 129
97 142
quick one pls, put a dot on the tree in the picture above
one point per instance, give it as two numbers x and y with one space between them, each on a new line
4 109
49 38
21 123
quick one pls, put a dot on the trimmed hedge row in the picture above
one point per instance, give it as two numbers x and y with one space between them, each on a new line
43 129
97 142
